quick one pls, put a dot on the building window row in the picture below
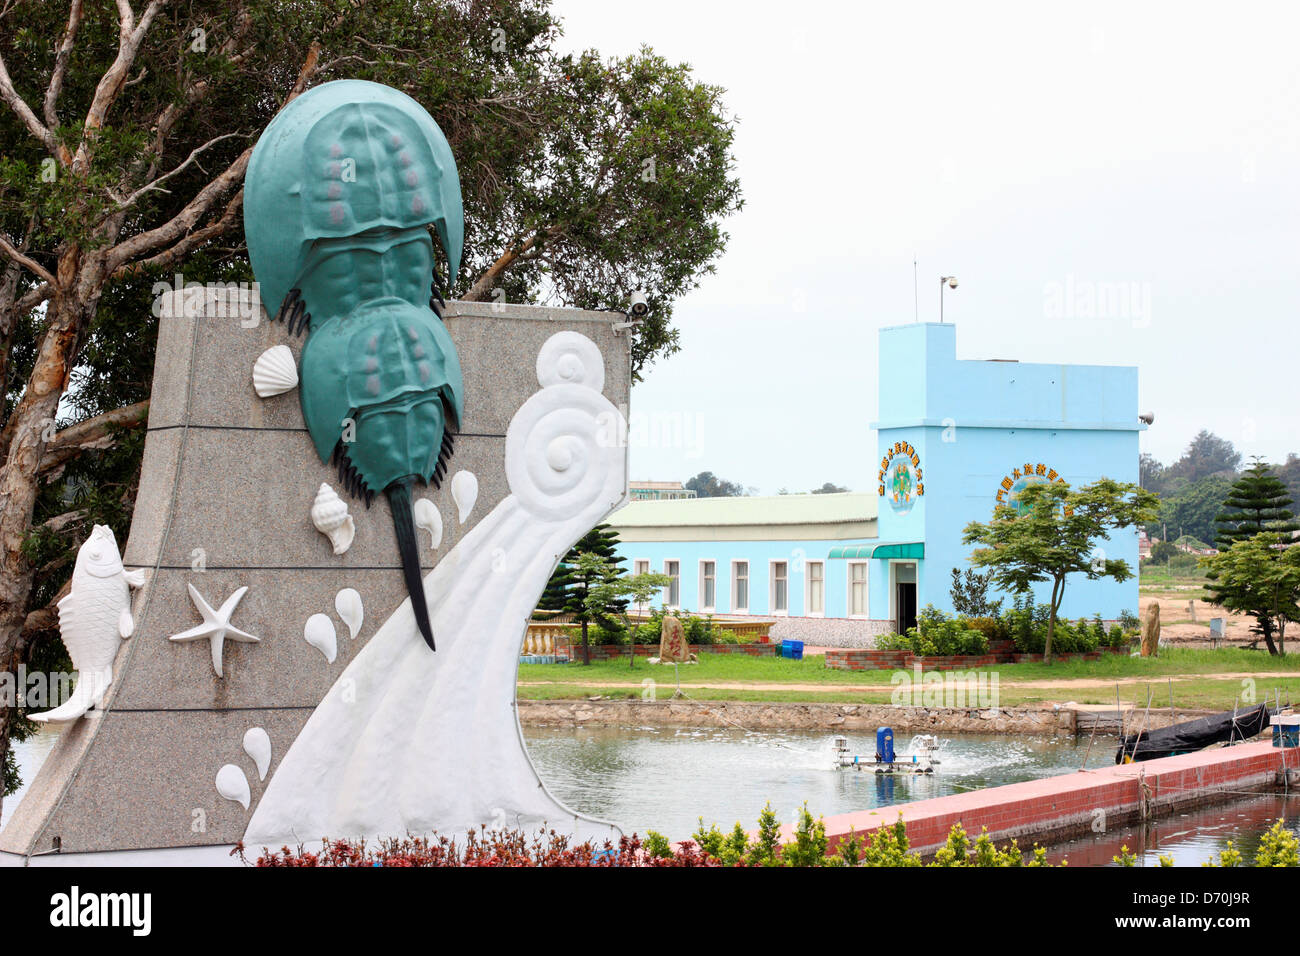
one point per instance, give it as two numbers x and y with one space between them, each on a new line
778 586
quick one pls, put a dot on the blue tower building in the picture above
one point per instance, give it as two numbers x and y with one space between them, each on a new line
954 438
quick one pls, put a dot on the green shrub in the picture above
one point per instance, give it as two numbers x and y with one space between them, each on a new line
993 628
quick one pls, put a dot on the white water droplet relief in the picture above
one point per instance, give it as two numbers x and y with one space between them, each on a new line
464 491
348 604
427 519
257 744
319 633
233 785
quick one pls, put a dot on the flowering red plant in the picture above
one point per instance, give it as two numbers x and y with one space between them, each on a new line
496 847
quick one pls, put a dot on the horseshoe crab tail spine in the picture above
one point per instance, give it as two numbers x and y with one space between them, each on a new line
399 501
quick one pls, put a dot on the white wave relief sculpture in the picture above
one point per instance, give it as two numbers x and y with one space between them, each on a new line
409 741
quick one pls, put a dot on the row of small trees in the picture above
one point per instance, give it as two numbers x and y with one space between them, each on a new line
592 585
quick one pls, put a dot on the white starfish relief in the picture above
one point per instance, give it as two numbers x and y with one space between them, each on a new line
216 626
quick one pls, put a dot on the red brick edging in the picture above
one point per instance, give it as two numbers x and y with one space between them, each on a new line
1058 806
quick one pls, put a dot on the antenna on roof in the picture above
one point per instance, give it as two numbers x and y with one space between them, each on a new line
916 307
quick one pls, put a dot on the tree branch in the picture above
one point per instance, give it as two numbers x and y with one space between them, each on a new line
24 113
130 36
177 229
61 58
153 185
28 263
93 433
45 618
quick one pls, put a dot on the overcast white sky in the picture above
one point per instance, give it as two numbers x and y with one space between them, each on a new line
1148 149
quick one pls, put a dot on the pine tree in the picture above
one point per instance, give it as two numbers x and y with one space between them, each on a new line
568 587
1258 501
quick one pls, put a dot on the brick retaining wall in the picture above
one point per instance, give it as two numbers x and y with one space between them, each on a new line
1057 807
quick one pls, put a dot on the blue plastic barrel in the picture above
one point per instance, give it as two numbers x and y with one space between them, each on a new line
885 744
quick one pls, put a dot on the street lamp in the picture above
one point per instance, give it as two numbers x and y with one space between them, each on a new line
951 282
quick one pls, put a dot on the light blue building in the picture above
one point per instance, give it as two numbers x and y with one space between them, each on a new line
954 437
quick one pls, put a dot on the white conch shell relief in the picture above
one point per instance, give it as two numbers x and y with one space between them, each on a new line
427 519
233 785
348 604
329 513
464 491
319 633
275 372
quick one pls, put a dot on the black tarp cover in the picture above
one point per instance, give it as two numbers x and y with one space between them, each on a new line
1194 734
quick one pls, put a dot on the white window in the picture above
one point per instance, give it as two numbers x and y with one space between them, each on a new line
780 587
740 587
708 585
857 589
641 566
673 593
815 580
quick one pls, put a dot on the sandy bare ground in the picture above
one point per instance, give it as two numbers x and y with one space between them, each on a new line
1186 620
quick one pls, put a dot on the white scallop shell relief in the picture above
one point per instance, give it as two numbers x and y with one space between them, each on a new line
275 372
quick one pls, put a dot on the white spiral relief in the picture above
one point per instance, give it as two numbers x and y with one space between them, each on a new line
570 358
410 740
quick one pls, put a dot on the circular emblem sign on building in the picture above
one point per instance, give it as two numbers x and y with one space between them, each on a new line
900 477
1014 483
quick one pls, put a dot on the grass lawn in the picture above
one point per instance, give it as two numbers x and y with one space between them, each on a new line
1188 668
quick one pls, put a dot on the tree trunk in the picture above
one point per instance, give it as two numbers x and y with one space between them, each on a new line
1051 623
586 650
32 425
1265 622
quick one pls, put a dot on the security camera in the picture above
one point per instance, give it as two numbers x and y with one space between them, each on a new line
1147 418
952 282
638 306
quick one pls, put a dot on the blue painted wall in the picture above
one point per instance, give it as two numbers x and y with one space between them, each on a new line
973 423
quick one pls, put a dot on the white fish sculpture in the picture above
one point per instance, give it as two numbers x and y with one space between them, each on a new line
94 619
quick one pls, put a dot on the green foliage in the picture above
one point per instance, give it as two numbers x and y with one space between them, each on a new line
1188 508
708 485
1162 551
657 846
1053 533
1257 502
888 847
809 846
766 849
1124 857
937 633
1260 577
1227 857
970 594
1278 847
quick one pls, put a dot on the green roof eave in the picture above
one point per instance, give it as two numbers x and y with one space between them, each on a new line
904 549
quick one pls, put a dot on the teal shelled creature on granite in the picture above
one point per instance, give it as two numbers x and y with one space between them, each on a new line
340 193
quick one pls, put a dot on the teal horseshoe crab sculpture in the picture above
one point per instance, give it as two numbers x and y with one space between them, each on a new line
340 193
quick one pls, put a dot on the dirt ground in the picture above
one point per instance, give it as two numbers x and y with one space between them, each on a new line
1185 620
